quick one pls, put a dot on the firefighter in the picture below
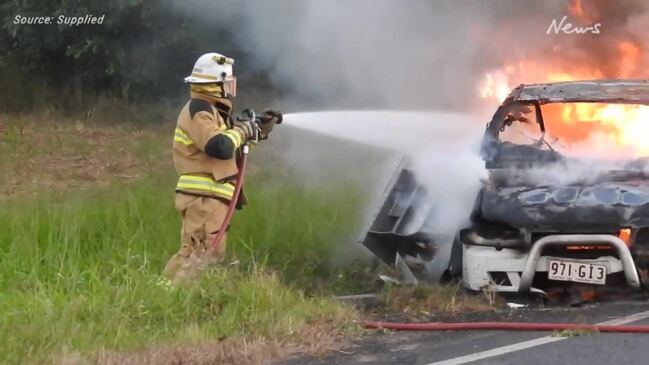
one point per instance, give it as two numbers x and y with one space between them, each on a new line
206 145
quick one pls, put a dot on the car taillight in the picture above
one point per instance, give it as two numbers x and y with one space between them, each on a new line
625 235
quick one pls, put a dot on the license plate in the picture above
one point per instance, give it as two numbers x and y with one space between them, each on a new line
576 271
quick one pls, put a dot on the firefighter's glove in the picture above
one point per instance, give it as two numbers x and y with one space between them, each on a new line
249 129
268 119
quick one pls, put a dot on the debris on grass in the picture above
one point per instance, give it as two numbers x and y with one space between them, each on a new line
427 299
577 332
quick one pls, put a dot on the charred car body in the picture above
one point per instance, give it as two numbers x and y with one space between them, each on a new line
527 234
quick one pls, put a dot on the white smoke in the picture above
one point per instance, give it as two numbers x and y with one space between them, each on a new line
426 54
378 53
583 171
452 175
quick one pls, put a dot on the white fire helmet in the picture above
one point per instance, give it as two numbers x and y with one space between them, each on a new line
214 68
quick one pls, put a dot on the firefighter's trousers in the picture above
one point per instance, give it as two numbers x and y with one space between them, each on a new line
202 217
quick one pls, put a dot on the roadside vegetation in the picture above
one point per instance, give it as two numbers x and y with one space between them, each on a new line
88 223
425 300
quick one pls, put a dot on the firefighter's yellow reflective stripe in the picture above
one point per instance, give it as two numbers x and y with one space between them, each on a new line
202 187
205 184
182 137
234 136
204 76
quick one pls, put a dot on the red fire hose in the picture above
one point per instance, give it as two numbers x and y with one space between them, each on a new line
235 197
505 326
249 115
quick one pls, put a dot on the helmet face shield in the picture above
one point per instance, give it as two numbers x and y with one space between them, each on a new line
230 86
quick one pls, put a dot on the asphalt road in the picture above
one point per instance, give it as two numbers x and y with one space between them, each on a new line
499 347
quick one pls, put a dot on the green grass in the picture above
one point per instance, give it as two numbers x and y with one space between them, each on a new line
80 272
88 223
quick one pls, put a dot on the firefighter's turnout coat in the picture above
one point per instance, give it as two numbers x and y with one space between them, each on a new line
205 149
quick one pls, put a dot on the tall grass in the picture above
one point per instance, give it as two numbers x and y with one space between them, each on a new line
79 272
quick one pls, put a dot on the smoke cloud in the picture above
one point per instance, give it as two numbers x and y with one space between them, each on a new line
381 54
361 53
386 54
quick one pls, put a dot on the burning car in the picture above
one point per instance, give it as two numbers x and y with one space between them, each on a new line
536 222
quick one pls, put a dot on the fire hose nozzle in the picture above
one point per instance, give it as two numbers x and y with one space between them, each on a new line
264 122
249 114
265 117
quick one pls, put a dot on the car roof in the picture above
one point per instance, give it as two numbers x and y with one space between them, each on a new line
609 91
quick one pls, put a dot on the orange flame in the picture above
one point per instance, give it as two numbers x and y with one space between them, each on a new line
629 57
576 9
626 125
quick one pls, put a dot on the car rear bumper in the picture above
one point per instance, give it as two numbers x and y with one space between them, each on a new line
482 265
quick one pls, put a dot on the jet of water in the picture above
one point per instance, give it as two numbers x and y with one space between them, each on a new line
406 131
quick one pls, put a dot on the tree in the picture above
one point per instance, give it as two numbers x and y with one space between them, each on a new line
139 52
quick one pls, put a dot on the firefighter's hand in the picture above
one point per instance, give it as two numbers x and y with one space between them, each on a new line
249 129
268 120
